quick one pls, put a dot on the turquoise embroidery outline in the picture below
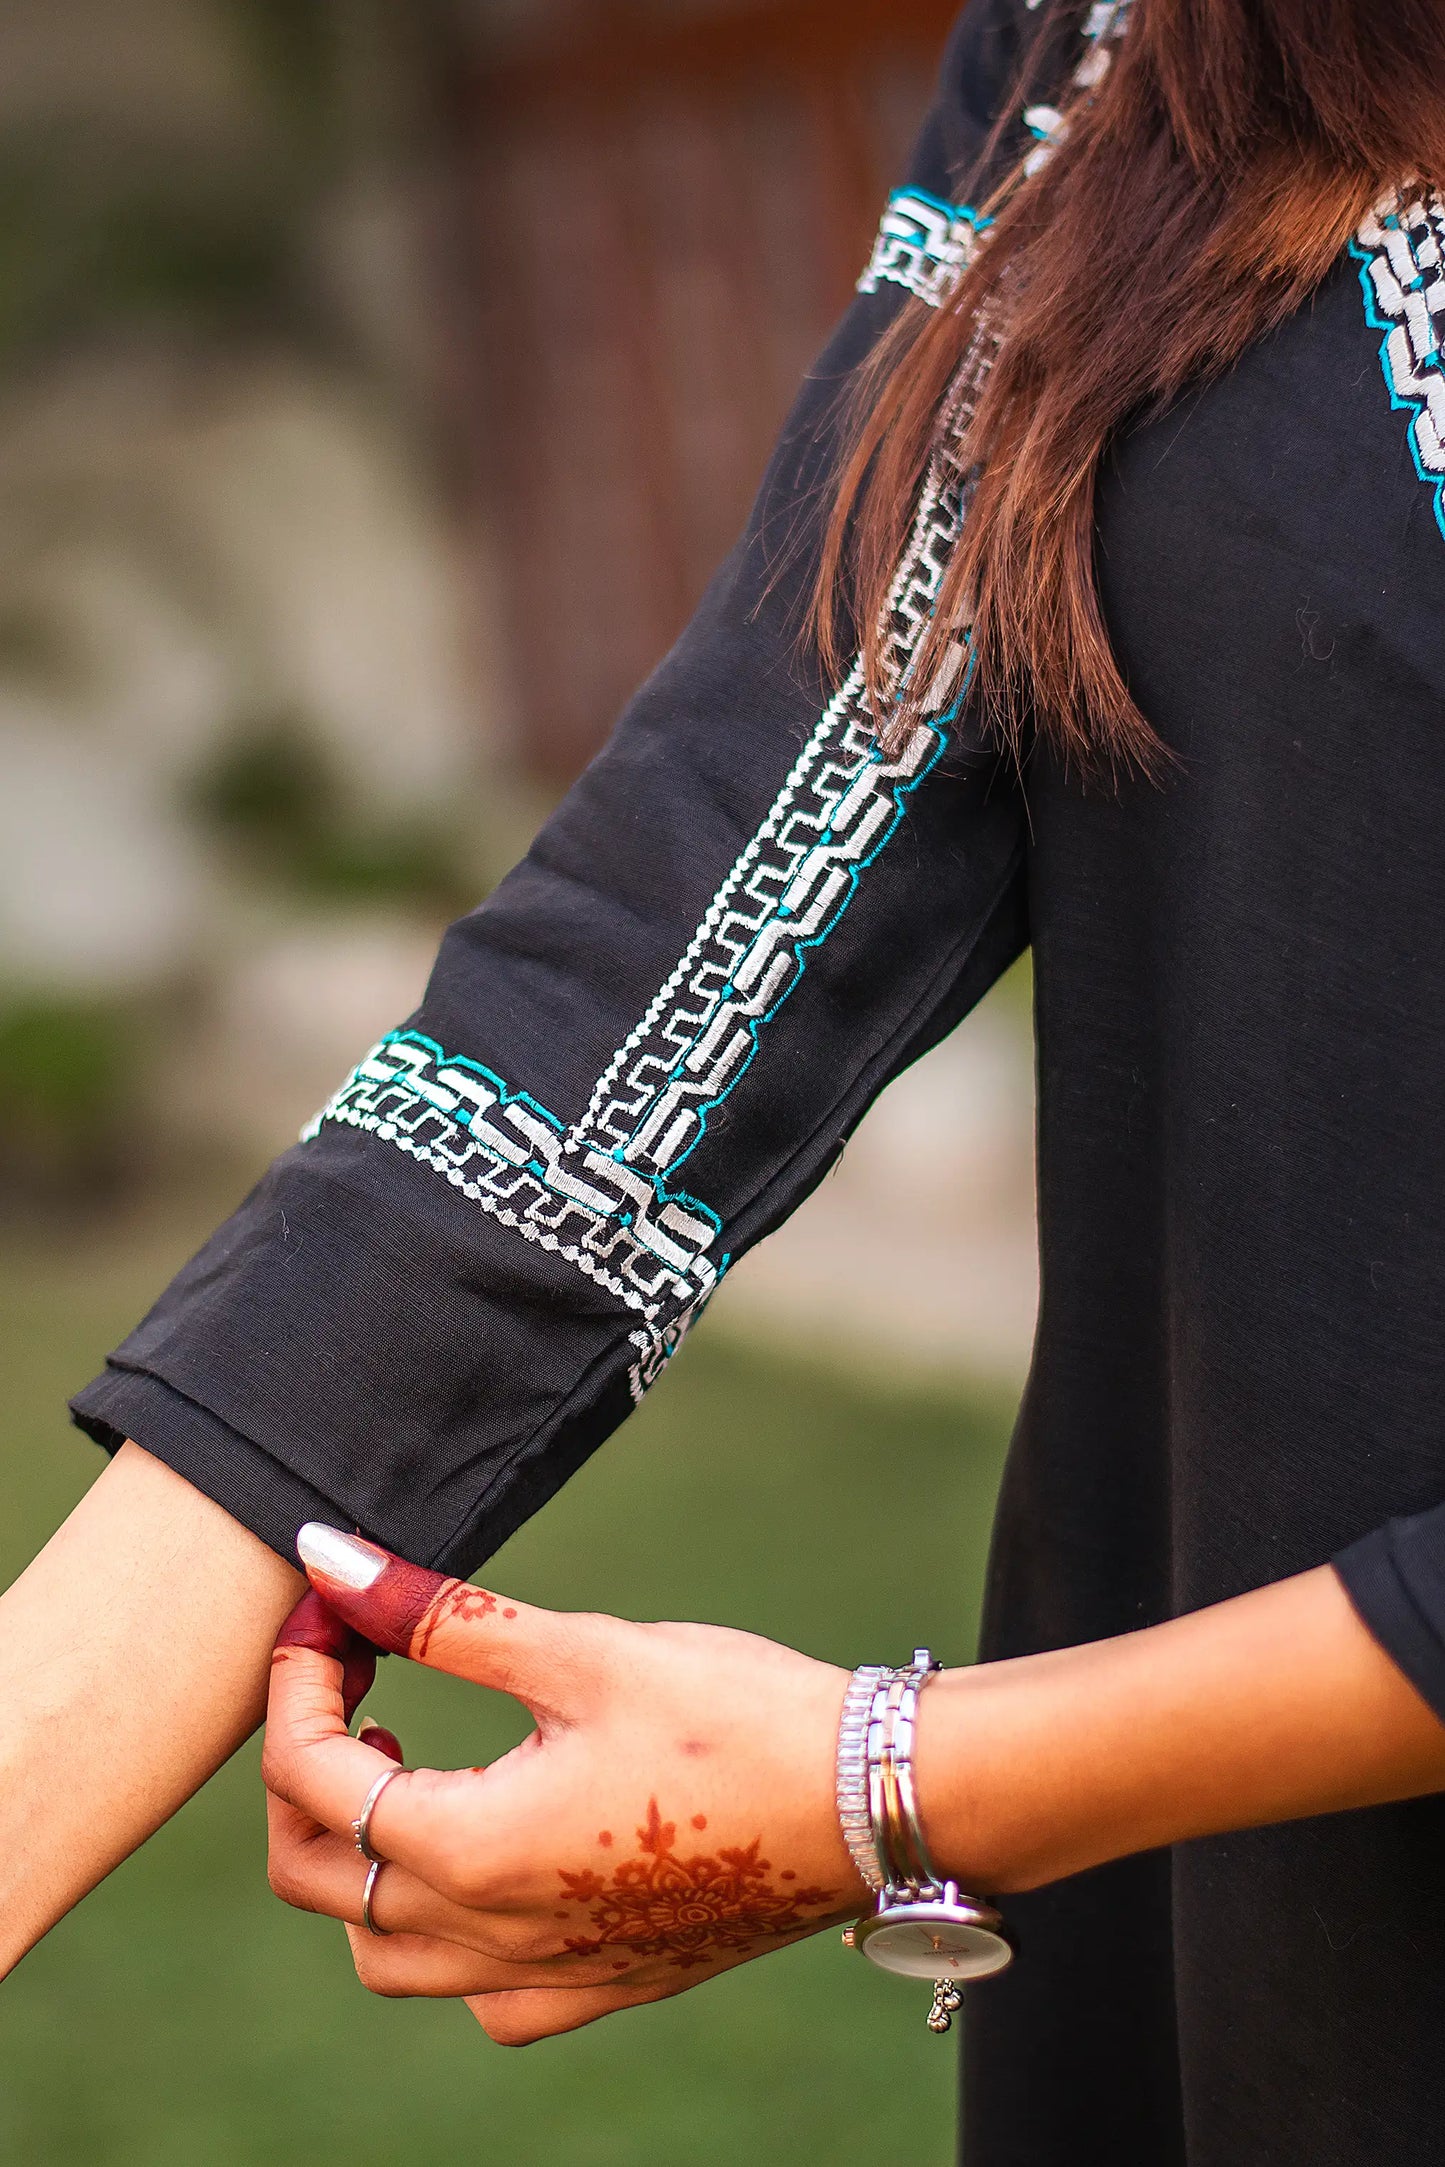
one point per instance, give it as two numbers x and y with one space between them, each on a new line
955 212
802 950
901 793
1403 402
463 1119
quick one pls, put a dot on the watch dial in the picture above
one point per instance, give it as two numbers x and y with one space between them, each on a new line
925 1942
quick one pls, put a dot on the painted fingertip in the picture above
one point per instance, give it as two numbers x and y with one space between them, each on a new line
345 1560
382 1597
380 1739
358 1674
314 1625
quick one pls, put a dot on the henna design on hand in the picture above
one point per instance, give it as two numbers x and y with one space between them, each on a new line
688 1910
459 1600
398 1606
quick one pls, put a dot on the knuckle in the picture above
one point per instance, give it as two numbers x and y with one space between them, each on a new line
603 1650
286 1882
508 2026
518 1941
377 1974
471 1883
589 1650
594 1638
274 1769
468 1886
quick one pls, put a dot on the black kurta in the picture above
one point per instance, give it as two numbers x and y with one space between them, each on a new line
652 1042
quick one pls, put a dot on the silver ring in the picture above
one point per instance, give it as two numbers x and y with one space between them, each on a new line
361 1826
373 1875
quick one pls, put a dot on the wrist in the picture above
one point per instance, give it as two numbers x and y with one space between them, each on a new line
983 1795
1275 1704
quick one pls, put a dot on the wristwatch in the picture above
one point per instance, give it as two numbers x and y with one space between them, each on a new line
923 1926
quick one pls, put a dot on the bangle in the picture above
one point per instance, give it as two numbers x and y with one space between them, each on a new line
854 1817
923 1926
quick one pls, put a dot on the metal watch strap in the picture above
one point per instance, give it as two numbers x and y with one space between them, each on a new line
920 1918
892 1796
900 1789
875 1729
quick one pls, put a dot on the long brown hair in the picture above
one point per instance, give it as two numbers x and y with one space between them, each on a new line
1193 202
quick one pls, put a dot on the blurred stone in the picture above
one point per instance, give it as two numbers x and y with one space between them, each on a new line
195 547
920 1246
289 1019
101 890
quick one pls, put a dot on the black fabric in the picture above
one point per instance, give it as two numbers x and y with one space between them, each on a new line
362 1329
1240 983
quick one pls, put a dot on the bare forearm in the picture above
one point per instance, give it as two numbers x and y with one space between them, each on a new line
133 1656
1273 1706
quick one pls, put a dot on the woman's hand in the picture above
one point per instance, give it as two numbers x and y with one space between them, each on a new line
671 1816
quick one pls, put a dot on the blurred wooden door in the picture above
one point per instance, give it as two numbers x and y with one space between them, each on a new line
668 205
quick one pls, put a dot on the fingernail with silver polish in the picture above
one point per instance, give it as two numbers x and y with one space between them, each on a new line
346 1559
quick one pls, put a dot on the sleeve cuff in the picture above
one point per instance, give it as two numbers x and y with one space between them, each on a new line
264 1496
1395 1578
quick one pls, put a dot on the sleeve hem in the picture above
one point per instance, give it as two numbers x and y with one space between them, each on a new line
1372 1578
265 1496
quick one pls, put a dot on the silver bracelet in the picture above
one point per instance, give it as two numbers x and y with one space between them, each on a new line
854 1817
923 1926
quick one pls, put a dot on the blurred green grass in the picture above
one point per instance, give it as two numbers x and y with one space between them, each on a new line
181 2015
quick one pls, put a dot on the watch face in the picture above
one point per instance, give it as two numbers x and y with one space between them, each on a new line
932 1941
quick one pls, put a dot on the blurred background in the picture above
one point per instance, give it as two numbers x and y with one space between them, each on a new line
378 388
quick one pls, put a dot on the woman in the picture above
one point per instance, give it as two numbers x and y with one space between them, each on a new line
1146 398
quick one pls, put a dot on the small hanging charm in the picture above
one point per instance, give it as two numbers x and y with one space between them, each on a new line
947 2001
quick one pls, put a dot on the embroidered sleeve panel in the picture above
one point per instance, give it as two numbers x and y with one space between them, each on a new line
630 1064
605 1191
923 245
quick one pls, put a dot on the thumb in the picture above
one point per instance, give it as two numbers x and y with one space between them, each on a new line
443 1622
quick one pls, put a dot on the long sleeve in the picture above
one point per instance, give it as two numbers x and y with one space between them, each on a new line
634 1060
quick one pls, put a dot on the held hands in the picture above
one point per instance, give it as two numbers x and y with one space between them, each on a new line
671 1815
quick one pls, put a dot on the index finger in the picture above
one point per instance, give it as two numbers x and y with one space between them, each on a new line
438 1823
315 1624
309 1759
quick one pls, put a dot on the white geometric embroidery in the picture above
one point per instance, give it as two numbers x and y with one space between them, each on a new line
792 883
1106 24
598 1194
788 889
1400 248
923 245
505 1152
656 1348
